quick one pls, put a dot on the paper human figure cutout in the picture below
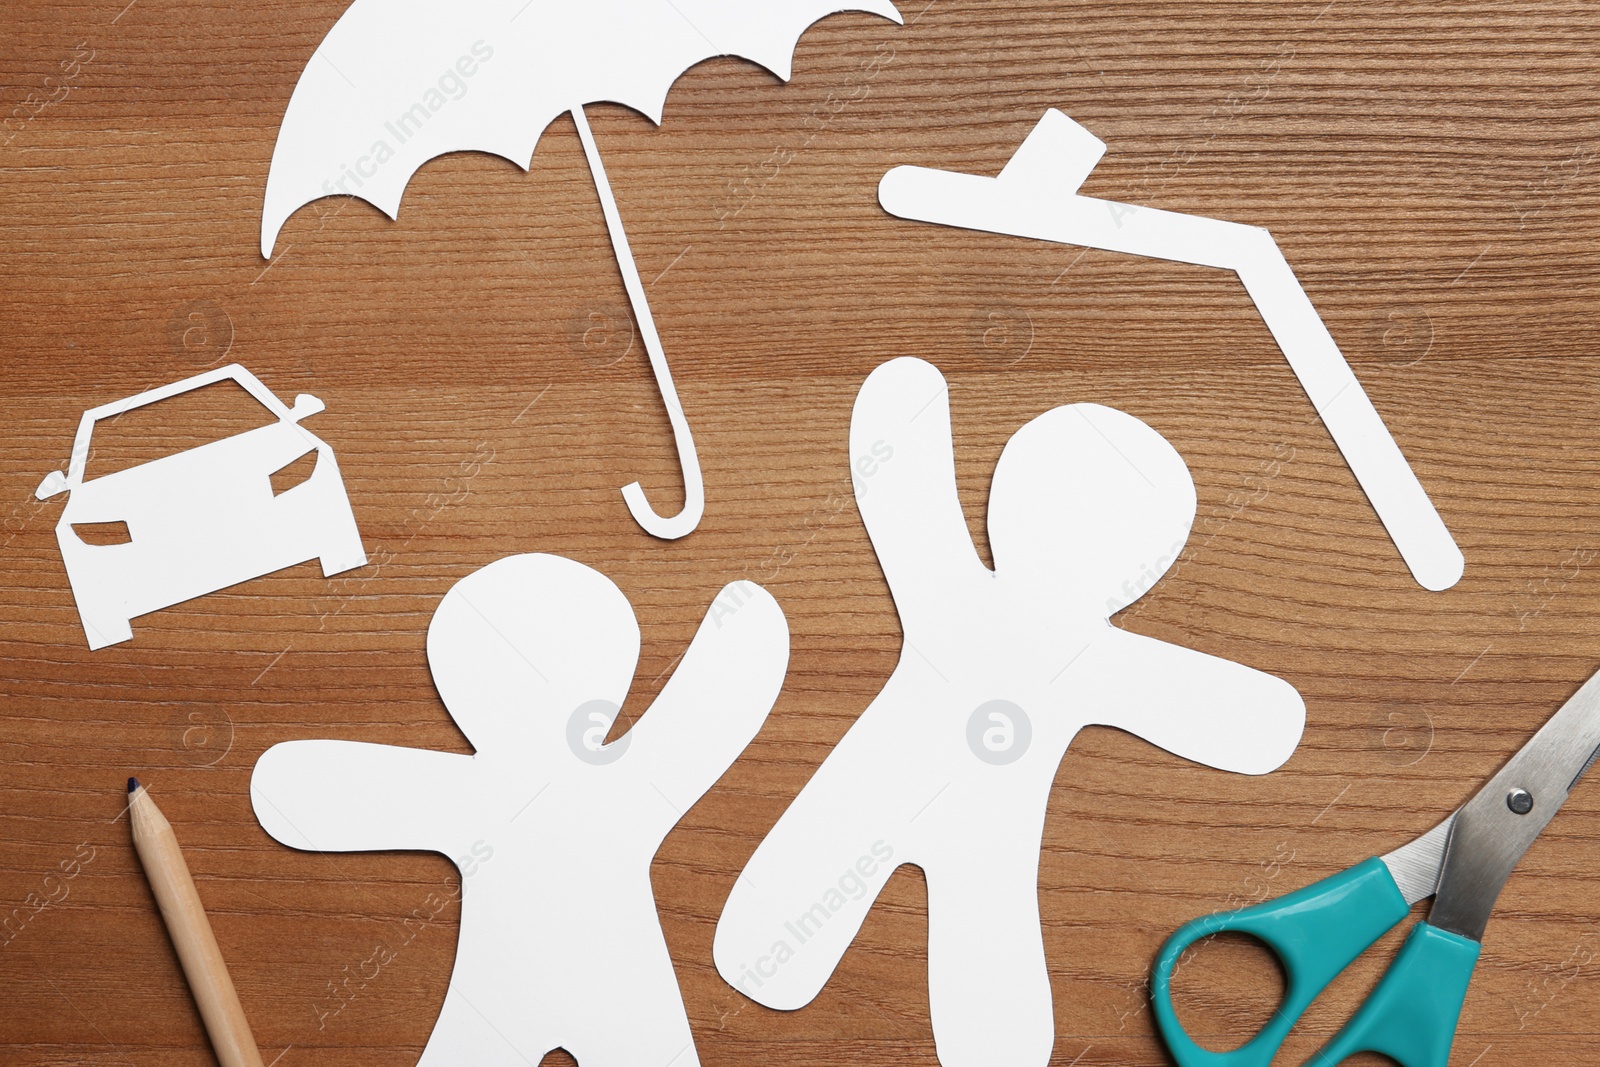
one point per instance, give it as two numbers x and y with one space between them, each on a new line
201 520
552 829
398 82
950 767
1036 195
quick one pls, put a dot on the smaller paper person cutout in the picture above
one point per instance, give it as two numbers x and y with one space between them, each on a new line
552 829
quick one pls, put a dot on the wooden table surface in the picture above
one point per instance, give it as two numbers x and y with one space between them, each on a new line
1430 174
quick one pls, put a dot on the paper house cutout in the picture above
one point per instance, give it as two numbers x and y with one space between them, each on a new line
1036 195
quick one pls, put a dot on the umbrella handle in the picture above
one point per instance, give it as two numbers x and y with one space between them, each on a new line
671 528
694 494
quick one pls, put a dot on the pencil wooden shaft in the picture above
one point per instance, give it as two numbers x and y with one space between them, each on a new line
191 935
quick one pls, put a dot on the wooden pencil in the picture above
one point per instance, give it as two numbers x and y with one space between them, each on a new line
190 931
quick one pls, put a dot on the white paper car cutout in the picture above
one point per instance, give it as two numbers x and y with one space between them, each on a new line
200 520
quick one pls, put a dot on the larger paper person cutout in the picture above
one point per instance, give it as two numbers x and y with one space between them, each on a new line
950 767
553 830
398 82
1036 195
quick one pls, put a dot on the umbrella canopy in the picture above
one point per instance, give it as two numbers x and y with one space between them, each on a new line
397 82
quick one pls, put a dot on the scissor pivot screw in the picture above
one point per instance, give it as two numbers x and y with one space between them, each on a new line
1520 801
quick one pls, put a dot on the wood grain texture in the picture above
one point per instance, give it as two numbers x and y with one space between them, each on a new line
1430 172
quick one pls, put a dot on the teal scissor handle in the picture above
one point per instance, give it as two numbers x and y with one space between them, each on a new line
1316 931
1411 1015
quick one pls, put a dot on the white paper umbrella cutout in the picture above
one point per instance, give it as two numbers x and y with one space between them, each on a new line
552 830
397 82
950 767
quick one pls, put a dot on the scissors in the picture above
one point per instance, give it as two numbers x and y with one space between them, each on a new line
1462 863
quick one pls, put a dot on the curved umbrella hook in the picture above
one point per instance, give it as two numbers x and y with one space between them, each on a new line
694 494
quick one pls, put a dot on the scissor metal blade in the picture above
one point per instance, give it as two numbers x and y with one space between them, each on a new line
1495 827
1415 866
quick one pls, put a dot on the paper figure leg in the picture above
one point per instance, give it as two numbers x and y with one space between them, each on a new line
636 1017
464 1037
988 989
803 895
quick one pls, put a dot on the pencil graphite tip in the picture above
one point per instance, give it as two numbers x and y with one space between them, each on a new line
133 783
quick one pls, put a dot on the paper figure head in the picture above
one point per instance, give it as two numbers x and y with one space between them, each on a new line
517 646
1091 504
